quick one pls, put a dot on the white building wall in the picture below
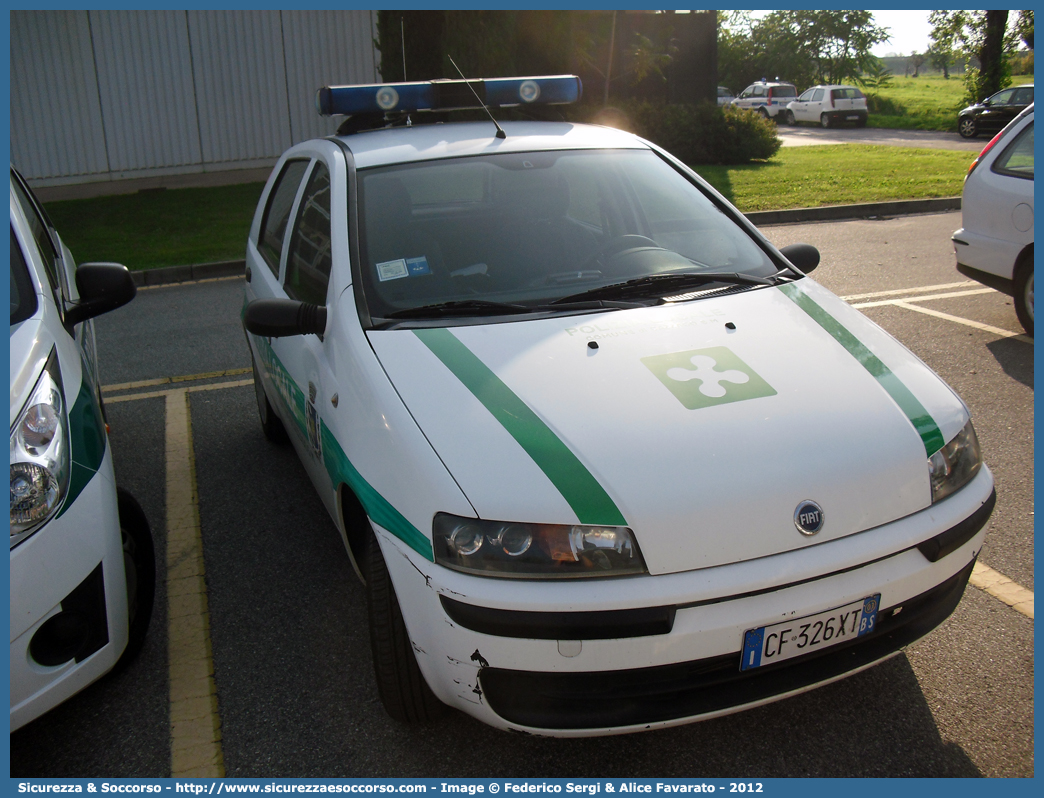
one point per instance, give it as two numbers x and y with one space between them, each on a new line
110 95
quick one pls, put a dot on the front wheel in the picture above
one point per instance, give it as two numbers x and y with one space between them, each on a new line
139 564
825 121
788 117
764 113
400 683
1024 293
967 128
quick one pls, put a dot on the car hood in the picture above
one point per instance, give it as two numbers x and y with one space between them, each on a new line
701 425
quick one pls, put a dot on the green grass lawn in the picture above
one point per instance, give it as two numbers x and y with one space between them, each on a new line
928 102
807 177
178 227
173 227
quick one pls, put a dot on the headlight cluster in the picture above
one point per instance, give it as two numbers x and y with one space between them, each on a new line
496 548
955 464
39 455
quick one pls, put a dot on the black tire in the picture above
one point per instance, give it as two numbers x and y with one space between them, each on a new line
139 562
404 693
825 121
270 423
1023 285
967 128
763 112
788 117
861 122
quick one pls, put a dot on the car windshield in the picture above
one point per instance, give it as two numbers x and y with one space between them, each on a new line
526 229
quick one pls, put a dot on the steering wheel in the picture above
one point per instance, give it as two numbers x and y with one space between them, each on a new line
615 246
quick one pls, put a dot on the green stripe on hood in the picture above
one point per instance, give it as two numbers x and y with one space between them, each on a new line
931 435
577 485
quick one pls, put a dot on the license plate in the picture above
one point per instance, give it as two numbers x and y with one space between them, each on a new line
781 641
852 118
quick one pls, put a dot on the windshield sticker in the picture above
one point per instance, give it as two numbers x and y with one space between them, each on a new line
417 266
392 270
706 377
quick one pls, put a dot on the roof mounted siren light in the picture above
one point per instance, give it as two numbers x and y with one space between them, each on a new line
447 95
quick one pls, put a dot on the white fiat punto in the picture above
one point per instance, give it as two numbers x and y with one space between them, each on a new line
82 563
605 458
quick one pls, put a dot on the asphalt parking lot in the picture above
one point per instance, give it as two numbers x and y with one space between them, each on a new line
285 616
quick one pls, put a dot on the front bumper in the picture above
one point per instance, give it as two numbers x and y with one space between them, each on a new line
650 675
68 601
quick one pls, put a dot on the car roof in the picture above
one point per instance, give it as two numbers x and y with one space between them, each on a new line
427 142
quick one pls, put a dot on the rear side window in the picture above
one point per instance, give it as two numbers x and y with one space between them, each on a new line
277 214
23 297
1017 158
817 95
846 94
309 259
783 91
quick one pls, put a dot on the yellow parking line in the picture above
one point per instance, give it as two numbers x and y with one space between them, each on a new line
999 586
966 322
898 291
208 375
195 725
216 386
924 298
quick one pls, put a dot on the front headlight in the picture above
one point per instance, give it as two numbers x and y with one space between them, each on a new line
39 455
535 551
955 464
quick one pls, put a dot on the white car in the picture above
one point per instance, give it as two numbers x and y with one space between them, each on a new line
828 106
725 95
766 97
82 563
995 243
605 458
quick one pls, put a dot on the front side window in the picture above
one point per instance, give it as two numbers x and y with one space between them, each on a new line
1017 158
309 258
807 96
23 297
1002 97
531 228
277 214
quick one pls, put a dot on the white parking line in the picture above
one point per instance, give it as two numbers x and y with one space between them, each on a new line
967 322
917 290
924 298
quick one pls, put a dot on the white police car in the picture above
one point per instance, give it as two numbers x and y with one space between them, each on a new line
82 566
605 459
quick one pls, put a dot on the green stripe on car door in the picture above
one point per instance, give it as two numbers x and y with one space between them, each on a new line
931 435
577 485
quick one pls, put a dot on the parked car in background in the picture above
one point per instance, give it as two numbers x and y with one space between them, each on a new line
767 98
996 111
995 243
828 106
82 563
725 95
606 459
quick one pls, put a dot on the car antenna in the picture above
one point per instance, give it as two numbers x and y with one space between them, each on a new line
402 32
500 131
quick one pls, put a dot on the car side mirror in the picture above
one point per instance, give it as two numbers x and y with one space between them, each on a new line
279 318
987 101
804 256
102 287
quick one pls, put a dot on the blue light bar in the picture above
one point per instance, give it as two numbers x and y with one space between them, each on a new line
447 95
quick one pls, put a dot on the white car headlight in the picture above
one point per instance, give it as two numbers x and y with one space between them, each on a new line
535 551
39 455
955 464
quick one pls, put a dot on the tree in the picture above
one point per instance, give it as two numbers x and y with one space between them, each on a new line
985 42
917 60
803 47
876 76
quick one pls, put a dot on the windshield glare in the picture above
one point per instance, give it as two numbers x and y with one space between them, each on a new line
530 228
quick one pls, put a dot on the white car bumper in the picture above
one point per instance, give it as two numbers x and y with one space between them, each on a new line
68 591
672 653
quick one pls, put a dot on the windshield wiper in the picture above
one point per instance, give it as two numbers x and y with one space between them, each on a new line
660 285
459 307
